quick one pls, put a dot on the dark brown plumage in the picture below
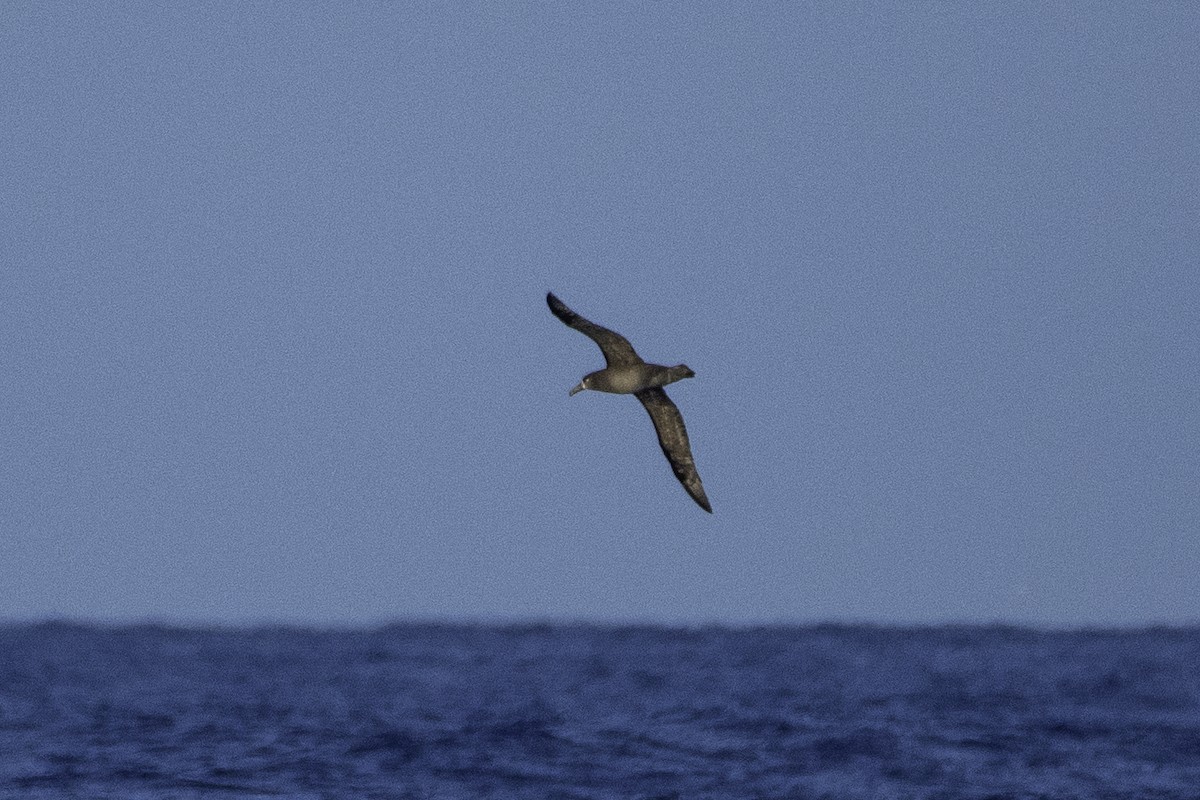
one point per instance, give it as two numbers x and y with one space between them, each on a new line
627 373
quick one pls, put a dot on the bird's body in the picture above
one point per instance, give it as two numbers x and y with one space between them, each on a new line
632 378
627 373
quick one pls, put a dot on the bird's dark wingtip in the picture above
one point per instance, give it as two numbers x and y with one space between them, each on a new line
559 309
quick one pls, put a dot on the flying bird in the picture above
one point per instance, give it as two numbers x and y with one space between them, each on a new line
627 373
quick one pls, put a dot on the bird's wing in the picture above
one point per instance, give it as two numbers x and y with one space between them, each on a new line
618 352
673 438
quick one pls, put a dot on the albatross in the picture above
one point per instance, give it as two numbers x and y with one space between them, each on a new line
627 373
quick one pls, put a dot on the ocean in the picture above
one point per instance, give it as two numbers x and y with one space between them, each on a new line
580 712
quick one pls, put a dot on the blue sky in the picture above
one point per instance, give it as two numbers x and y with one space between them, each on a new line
275 344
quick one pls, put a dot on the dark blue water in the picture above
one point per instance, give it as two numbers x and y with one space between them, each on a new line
581 712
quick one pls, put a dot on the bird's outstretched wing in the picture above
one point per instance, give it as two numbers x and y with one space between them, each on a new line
673 438
618 352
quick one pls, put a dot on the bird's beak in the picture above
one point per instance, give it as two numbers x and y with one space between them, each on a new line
576 390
